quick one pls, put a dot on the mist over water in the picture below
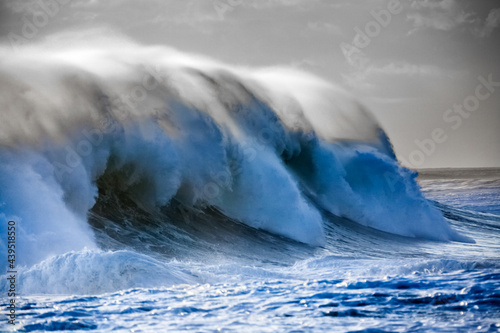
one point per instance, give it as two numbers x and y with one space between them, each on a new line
128 166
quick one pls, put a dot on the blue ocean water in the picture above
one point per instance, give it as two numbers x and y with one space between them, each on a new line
362 280
215 198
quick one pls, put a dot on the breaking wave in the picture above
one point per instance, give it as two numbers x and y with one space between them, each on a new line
152 128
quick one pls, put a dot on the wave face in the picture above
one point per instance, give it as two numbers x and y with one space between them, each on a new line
275 149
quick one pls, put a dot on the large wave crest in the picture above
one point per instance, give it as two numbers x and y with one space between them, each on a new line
273 148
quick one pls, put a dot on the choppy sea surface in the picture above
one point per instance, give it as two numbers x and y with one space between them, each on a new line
231 278
158 191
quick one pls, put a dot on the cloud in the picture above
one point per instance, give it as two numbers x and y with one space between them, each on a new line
363 79
491 22
264 4
447 15
303 63
411 78
433 4
358 82
441 15
404 68
324 27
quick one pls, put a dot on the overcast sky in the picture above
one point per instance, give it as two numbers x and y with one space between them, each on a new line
421 66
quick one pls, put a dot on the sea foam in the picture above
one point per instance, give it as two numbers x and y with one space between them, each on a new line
272 148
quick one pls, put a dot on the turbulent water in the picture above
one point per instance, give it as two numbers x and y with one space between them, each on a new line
159 191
